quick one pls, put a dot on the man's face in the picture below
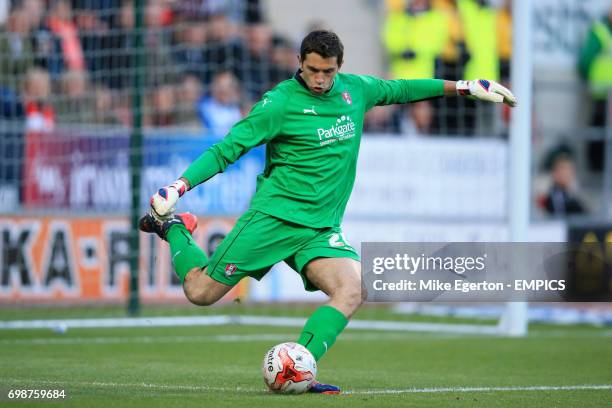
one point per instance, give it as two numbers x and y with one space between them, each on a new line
318 72
563 173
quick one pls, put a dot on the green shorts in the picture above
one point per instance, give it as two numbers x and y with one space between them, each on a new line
258 241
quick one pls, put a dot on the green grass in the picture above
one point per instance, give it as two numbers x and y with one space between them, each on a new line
371 311
219 366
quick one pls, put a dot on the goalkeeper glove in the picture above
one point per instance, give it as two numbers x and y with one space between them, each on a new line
485 90
163 202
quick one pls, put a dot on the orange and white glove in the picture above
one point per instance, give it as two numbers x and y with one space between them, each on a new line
164 201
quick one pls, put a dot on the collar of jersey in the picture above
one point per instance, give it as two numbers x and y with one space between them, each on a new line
301 81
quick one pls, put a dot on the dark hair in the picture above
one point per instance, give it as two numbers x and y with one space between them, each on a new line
323 42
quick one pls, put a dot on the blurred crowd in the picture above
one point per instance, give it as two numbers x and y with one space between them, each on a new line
450 39
70 62
468 39
562 195
66 62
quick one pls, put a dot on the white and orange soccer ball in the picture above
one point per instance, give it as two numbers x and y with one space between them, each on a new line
289 368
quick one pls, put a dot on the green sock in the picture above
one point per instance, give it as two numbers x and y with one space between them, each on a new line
321 330
186 254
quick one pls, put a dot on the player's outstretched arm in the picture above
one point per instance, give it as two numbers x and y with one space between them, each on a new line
260 126
481 89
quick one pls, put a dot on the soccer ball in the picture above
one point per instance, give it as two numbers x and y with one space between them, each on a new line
289 368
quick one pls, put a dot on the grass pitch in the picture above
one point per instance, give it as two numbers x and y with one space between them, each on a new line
220 366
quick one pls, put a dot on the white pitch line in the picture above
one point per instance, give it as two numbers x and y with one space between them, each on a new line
125 322
583 387
476 330
224 320
222 338
483 389
225 338
60 339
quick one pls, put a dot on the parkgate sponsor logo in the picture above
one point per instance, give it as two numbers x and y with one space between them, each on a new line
342 129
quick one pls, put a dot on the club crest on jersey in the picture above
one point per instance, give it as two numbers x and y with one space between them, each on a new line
230 269
347 98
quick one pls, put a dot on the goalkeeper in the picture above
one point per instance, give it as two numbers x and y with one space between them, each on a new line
312 127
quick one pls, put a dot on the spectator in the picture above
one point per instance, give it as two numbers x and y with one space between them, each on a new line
93 18
284 59
11 145
16 58
35 10
45 46
253 12
160 67
220 110
238 11
16 54
80 103
120 42
595 65
191 10
479 20
189 52
454 55
104 108
271 59
258 67
39 114
104 11
11 107
75 103
447 117
59 21
226 52
418 119
504 40
122 109
382 120
410 56
562 199
189 92
161 111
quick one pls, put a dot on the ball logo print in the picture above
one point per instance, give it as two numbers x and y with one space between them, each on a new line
289 368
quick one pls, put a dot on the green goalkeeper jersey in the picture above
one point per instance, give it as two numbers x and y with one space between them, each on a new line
312 144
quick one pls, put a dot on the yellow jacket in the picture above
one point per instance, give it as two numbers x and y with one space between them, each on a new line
425 35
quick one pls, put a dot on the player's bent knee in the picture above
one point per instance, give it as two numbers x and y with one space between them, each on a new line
195 288
201 290
357 299
352 297
200 299
197 296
